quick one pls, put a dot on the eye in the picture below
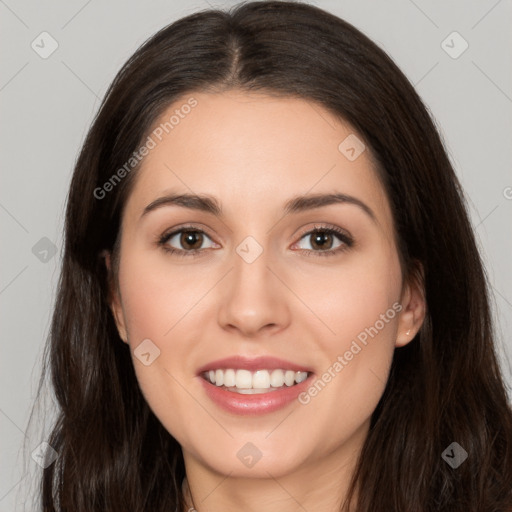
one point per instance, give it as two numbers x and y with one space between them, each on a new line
190 239
323 240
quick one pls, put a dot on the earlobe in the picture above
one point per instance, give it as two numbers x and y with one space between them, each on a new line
413 309
114 300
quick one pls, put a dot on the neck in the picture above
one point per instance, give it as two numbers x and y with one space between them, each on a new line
189 503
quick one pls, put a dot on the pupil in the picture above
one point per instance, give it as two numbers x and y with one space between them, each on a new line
320 239
190 238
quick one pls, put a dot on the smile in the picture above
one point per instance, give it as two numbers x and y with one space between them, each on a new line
260 381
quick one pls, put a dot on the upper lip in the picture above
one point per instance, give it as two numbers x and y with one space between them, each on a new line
253 364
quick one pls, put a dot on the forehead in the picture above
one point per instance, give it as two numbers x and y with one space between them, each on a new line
254 151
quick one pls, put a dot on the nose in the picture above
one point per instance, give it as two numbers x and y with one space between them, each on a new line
253 299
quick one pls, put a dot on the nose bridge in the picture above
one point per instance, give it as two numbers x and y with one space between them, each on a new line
250 273
252 296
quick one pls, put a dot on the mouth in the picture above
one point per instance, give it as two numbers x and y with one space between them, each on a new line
253 386
246 382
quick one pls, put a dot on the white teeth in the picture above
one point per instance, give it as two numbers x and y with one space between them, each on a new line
252 391
243 379
277 378
260 381
300 376
289 378
229 378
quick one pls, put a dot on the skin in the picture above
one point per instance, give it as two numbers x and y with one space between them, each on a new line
253 152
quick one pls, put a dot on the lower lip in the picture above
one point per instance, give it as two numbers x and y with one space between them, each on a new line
260 403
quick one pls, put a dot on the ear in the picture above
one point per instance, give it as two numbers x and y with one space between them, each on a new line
114 300
413 307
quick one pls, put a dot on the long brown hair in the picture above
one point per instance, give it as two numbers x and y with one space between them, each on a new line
445 386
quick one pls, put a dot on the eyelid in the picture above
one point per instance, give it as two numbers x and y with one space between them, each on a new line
186 227
324 227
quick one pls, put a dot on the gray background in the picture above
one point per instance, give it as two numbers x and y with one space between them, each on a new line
48 104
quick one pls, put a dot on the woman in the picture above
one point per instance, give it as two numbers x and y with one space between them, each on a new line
271 297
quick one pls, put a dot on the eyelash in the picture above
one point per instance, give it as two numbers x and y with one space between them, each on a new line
348 242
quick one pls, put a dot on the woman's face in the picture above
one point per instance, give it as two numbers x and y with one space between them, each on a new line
328 307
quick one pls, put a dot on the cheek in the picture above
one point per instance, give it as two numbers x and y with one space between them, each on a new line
360 308
355 300
162 303
158 296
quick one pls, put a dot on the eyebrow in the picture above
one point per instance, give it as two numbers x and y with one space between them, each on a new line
209 204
